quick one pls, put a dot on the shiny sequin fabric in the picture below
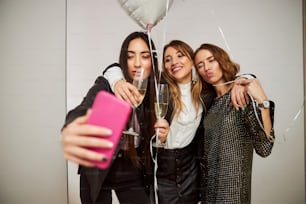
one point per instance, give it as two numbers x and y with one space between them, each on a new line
230 137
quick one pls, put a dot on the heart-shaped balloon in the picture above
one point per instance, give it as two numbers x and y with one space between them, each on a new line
147 13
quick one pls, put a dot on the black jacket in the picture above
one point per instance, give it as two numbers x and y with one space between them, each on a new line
97 176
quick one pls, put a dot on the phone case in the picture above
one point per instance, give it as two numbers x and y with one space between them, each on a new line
113 113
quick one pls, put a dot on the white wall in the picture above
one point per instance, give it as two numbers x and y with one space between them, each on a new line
32 89
264 36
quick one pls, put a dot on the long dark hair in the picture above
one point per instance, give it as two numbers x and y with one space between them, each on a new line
148 103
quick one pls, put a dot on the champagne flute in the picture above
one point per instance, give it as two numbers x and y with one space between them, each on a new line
140 81
161 107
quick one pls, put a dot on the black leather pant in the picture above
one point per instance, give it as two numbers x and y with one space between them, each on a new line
178 176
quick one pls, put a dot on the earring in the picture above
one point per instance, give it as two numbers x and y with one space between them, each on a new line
194 75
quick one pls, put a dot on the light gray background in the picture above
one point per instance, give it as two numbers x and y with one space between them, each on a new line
32 111
40 81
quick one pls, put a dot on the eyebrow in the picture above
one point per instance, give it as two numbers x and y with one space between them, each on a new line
208 58
201 62
143 52
177 52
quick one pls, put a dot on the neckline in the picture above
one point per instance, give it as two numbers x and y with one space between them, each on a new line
185 88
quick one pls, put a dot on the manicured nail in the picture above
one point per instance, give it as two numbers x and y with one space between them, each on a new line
109 132
109 144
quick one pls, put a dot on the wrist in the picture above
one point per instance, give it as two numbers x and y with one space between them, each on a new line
117 82
264 104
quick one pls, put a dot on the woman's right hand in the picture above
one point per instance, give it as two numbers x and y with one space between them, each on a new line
239 95
77 136
162 128
127 92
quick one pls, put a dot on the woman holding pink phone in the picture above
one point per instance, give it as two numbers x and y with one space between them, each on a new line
130 172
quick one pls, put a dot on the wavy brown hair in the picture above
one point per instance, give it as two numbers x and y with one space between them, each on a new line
196 87
229 67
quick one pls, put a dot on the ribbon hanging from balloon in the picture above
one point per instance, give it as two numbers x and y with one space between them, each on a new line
147 13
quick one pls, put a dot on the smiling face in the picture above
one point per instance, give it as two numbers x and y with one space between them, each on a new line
208 67
138 56
177 65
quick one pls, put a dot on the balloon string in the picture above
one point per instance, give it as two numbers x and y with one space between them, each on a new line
165 24
219 28
149 27
157 80
225 83
293 121
156 91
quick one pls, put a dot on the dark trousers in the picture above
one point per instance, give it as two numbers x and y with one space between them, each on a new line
125 179
177 176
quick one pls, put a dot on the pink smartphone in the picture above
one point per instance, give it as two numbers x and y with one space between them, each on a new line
113 113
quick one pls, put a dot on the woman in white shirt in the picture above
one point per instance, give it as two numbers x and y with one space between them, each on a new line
178 169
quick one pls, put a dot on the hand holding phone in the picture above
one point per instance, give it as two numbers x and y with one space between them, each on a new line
113 113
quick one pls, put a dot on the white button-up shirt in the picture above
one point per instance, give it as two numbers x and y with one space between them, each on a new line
184 126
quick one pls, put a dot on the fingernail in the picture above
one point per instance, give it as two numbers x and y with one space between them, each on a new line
110 144
109 132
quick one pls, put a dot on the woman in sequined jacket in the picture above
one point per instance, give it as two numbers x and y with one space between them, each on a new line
231 135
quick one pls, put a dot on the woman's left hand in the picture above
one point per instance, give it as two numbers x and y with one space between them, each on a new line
254 88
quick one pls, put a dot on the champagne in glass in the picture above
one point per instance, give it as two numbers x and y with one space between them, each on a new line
142 88
140 81
161 107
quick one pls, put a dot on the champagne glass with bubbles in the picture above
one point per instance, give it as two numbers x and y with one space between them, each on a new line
140 81
161 107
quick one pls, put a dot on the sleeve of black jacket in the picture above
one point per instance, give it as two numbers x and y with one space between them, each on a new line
100 84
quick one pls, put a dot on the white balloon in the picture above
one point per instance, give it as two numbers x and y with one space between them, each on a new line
147 13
